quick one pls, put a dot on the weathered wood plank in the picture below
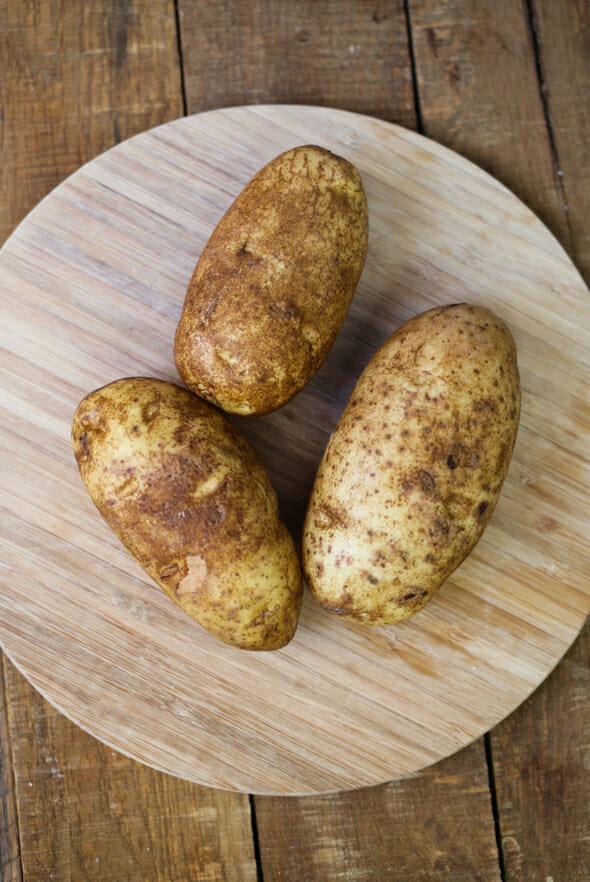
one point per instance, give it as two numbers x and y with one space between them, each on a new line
75 79
479 94
10 866
433 827
541 755
351 55
562 29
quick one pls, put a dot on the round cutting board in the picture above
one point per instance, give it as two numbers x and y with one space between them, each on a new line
91 288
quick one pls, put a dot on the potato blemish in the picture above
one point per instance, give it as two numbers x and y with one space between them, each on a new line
196 575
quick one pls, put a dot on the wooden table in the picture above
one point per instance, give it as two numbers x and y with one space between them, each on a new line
506 85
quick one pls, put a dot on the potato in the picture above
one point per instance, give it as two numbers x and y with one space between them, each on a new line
187 496
413 470
274 282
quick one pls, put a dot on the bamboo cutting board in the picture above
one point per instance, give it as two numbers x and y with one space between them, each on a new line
91 288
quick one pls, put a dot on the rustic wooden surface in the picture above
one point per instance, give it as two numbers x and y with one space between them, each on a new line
536 762
402 830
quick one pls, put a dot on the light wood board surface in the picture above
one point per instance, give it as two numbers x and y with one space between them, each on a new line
91 288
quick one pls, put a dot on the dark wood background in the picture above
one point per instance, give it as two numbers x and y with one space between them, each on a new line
505 83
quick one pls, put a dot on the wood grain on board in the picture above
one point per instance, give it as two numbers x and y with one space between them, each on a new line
351 55
478 73
438 826
74 80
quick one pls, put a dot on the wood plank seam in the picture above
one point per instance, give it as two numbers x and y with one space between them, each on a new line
180 57
412 58
10 775
255 839
494 802
530 15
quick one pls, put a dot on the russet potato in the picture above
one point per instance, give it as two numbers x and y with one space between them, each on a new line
274 282
414 468
187 496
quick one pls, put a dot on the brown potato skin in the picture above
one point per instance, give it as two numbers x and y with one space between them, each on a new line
414 468
187 496
274 282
